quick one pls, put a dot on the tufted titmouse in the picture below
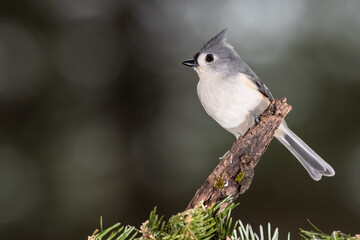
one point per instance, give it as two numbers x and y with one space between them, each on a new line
234 96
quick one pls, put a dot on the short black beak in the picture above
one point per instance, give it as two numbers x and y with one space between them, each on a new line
190 63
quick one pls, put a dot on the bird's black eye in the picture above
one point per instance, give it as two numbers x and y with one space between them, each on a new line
209 58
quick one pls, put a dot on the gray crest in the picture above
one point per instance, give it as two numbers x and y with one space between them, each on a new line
230 63
216 42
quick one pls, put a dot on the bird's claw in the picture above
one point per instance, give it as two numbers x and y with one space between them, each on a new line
257 119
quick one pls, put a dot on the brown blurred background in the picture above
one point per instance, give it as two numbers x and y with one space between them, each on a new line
99 117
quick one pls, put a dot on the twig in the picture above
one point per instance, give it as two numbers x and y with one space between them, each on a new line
234 174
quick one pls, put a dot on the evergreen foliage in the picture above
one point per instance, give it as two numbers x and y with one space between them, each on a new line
204 224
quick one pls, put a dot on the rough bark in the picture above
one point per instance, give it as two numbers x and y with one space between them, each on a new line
234 174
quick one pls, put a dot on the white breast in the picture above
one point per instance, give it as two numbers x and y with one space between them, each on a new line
233 102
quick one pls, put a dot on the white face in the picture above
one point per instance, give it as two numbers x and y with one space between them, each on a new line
205 61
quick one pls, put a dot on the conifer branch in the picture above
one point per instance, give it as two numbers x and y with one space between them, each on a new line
201 223
209 213
234 174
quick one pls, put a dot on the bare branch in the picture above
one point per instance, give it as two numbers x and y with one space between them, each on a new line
234 174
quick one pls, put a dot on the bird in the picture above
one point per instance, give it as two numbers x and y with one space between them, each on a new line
234 96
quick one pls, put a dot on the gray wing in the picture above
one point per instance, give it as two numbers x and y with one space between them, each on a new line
262 87
242 67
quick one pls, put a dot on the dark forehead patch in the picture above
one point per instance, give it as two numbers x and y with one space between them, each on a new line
196 56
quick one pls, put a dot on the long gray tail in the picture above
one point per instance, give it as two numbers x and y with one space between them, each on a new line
312 162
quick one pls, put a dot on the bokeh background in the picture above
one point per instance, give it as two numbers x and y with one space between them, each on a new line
99 118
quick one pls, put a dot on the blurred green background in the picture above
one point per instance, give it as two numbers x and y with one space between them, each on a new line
99 117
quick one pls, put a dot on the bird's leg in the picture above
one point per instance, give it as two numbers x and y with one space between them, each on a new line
220 158
257 119
231 156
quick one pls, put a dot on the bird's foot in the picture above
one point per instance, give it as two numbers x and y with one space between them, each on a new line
257 119
231 156
220 158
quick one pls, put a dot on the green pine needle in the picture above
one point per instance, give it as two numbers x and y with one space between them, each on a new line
204 224
320 235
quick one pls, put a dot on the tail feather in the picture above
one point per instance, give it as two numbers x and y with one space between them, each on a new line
312 162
